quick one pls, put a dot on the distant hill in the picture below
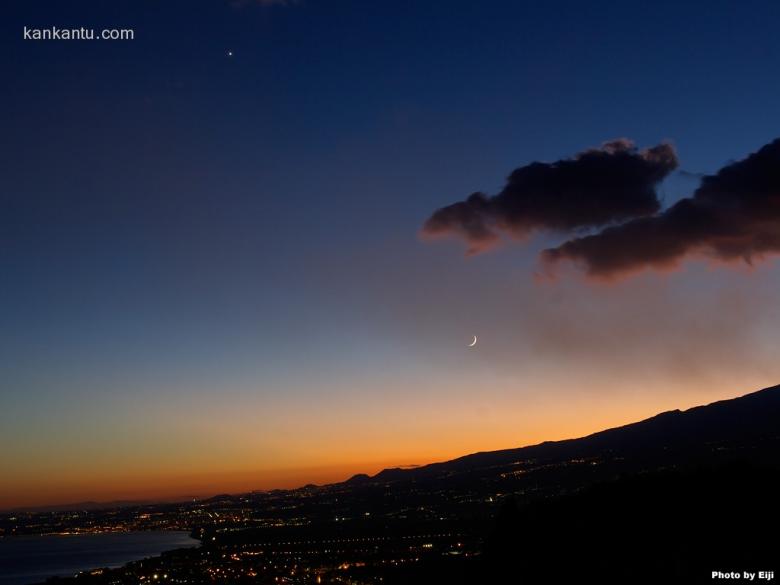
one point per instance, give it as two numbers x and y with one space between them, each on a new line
744 428
682 494
358 478
739 427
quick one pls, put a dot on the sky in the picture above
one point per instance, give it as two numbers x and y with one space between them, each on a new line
216 271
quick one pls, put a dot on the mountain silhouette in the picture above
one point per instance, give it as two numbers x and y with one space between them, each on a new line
748 426
668 499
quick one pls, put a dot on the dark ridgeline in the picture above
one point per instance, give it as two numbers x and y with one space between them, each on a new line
685 493
665 500
747 426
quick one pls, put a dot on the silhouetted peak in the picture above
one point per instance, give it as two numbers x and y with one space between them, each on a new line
392 474
677 431
358 478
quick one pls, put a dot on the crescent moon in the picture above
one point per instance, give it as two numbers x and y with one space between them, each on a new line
473 343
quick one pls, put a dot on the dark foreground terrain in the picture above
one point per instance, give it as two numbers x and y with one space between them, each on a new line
671 499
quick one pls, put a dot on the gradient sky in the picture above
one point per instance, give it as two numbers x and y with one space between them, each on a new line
211 275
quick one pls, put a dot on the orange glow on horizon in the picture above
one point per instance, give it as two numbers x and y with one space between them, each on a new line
210 475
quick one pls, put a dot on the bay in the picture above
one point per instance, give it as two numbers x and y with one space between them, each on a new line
33 559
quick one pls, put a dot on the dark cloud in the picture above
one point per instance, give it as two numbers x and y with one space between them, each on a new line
733 215
597 187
